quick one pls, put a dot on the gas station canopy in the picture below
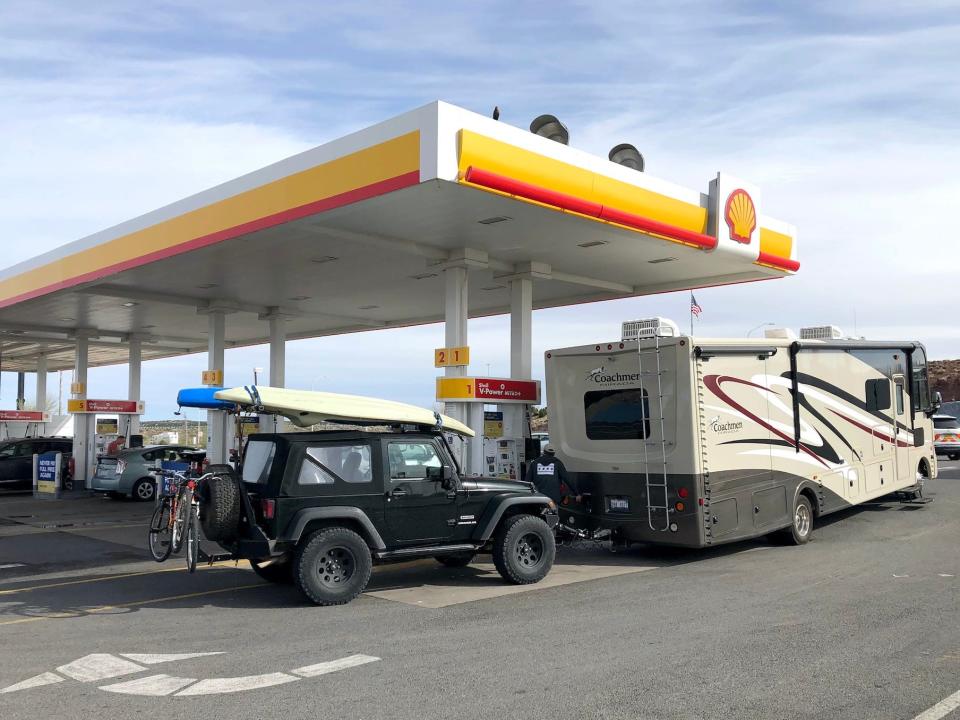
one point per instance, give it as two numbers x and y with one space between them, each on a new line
355 235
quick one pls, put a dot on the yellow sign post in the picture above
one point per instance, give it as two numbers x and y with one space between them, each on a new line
451 357
212 377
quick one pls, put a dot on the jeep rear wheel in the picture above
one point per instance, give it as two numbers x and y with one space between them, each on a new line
523 549
332 566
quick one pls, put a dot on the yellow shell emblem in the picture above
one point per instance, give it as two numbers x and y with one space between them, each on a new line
741 215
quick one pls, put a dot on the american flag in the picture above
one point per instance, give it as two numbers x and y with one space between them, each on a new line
695 309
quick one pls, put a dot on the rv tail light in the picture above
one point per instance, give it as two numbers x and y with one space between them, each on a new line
268 508
682 492
680 506
700 502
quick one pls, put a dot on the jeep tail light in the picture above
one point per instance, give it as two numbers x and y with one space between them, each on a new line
682 492
268 508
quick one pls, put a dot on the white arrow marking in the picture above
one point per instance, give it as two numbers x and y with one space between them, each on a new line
215 686
153 685
157 658
47 678
98 666
334 665
10 565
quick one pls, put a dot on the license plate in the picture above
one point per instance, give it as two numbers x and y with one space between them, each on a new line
618 503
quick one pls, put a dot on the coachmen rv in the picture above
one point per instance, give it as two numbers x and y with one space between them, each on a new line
693 442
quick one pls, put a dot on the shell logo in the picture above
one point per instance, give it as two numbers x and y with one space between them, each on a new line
741 216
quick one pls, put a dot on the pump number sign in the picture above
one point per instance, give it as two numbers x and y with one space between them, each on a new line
451 357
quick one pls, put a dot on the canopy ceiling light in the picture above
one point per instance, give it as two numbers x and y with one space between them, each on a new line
549 127
627 155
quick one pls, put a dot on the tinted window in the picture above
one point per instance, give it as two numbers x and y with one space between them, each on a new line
878 394
617 414
350 463
899 398
410 460
946 423
920 385
258 460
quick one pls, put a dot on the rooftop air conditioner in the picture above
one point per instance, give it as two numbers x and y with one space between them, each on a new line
821 332
779 334
650 327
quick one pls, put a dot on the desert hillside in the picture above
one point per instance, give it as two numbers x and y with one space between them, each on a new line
945 377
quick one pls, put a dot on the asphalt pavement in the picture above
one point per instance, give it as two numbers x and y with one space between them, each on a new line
860 623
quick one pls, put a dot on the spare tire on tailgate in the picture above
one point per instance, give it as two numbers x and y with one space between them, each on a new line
220 509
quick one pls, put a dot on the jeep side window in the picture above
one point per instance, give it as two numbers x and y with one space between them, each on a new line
258 460
324 463
410 460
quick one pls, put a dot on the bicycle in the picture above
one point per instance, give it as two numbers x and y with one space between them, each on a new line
177 518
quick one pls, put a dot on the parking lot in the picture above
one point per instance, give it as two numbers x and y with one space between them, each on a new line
860 623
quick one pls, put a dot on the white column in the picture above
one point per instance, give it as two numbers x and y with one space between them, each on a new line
82 427
41 396
216 419
455 335
521 350
278 361
133 384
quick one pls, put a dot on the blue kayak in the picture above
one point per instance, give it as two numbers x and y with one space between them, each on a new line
203 397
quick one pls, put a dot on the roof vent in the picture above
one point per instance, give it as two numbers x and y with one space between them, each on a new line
779 334
821 332
649 327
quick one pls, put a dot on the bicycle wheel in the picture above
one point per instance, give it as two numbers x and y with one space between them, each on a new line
193 539
160 537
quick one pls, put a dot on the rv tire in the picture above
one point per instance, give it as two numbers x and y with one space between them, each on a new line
802 526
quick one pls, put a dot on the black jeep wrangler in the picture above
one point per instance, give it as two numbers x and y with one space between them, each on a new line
320 508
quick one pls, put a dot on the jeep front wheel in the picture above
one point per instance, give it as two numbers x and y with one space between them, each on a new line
523 549
332 566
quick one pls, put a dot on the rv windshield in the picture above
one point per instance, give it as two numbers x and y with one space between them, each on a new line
617 414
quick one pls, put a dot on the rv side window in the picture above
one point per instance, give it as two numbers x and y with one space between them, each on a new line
617 414
878 394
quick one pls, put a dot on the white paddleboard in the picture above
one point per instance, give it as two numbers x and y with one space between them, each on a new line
305 408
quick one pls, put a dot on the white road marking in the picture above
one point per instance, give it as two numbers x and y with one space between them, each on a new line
944 575
215 686
334 665
900 576
47 678
152 685
941 709
11 565
98 666
156 658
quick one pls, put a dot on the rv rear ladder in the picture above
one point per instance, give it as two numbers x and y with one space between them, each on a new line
654 483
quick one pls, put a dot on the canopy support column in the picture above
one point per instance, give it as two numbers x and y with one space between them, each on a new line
40 399
135 361
278 361
82 422
21 390
521 351
456 311
216 419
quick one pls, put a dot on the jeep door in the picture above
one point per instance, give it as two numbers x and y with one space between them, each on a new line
418 508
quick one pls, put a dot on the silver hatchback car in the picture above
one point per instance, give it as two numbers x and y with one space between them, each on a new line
127 473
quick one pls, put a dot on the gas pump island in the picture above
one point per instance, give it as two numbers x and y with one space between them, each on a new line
437 215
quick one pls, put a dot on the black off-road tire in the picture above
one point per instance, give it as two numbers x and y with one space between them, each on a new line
523 549
801 528
220 508
457 560
278 570
332 566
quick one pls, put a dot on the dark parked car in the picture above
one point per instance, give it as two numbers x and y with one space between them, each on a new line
16 459
321 508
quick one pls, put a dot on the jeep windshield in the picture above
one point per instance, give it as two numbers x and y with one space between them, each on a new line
258 460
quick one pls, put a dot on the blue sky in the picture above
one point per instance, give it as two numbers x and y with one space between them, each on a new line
845 113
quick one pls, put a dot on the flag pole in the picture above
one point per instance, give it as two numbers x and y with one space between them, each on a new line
691 313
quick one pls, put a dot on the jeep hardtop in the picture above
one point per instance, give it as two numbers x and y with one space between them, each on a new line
319 508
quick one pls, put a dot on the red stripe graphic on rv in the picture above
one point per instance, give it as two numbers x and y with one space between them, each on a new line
870 430
714 381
